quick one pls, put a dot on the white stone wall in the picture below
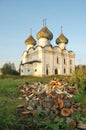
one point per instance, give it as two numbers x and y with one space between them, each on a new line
47 60
37 69
43 42
29 46
27 69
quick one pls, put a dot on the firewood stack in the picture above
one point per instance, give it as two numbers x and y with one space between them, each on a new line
27 91
55 98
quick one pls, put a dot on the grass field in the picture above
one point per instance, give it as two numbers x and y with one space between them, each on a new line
9 88
9 96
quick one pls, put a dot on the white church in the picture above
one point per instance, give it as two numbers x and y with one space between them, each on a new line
42 58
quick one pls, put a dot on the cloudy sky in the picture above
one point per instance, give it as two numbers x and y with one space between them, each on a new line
17 17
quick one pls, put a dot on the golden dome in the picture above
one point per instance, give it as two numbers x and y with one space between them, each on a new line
44 33
30 40
61 39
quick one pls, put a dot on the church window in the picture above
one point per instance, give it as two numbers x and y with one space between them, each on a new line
35 70
70 61
57 60
56 71
47 66
64 61
64 70
70 70
28 70
47 71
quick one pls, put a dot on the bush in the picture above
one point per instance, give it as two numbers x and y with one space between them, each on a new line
79 79
9 68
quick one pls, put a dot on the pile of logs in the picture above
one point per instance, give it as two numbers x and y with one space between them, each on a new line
55 98
27 91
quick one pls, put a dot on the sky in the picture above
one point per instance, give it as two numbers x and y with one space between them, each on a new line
18 17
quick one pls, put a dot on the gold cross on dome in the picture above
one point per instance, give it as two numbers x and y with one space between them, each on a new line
44 22
61 28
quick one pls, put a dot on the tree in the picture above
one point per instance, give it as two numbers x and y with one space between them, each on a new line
79 78
9 68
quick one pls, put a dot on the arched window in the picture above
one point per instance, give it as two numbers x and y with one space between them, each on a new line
70 61
57 60
64 61
47 71
70 70
35 70
64 70
56 71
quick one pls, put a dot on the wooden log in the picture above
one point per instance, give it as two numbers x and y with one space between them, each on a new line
65 112
72 101
56 105
25 112
81 126
61 95
20 106
73 123
71 110
61 103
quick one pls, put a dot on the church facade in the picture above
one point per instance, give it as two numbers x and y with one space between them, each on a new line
45 59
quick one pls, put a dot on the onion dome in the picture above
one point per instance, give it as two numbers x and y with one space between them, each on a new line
30 40
44 33
61 39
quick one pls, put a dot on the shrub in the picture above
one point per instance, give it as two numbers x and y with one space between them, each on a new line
79 79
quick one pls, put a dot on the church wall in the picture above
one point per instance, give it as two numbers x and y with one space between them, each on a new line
27 69
43 42
68 63
24 55
47 61
65 62
38 66
37 69
44 59
52 60
33 54
57 60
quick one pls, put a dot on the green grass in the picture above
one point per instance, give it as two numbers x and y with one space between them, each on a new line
80 98
9 87
9 96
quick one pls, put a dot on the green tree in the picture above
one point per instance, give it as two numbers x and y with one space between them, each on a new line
9 68
78 78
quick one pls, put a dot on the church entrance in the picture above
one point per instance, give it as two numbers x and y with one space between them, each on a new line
46 71
56 71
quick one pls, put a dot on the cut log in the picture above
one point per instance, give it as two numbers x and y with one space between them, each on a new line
61 96
73 123
71 110
59 83
25 112
81 126
72 101
65 112
20 106
50 96
61 104
56 105
67 103
79 108
29 108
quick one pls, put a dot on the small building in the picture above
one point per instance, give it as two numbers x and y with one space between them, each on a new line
45 59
